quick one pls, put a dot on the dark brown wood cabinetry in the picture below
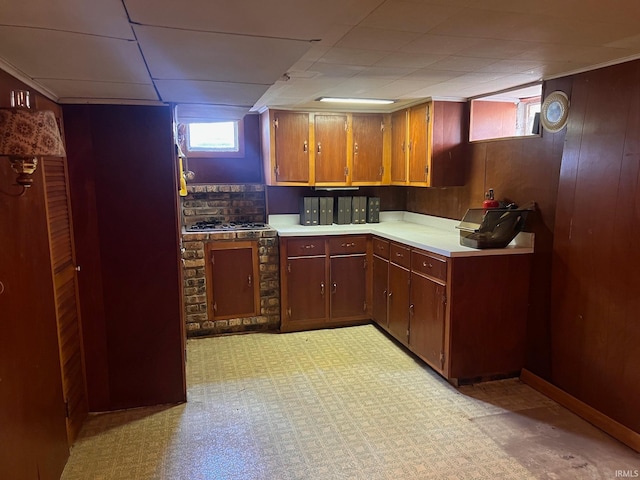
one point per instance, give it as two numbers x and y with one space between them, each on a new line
233 281
428 301
427 142
285 147
330 139
324 281
447 312
368 148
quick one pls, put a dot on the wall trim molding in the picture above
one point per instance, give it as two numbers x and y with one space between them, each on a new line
588 413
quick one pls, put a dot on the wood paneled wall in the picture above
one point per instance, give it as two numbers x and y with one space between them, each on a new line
519 170
122 170
33 437
596 288
247 169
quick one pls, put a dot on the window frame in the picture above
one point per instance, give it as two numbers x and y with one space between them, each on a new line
216 153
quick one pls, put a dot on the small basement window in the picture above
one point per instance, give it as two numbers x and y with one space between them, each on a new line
513 113
215 139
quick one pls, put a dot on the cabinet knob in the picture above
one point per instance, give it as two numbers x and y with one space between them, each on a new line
249 280
425 264
1 288
398 254
355 148
305 147
322 288
319 148
335 287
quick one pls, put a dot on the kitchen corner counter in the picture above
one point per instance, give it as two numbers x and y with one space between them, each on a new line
434 234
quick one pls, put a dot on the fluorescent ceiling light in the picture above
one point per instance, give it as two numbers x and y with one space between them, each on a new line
369 101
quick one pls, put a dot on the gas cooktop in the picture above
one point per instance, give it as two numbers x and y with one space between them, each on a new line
206 226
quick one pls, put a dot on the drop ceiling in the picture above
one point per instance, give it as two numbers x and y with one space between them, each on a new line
235 57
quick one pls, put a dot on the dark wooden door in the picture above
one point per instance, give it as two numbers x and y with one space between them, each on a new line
292 146
65 283
380 290
367 148
398 146
307 289
348 286
399 302
419 148
234 290
426 319
330 148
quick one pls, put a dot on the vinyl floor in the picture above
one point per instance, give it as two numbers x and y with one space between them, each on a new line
345 403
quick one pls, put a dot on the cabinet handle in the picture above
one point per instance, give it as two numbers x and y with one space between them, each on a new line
352 244
398 254
390 294
425 264
305 147
322 288
249 280
384 293
1 288
402 147
319 148
215 307
411 309
309 246
355 148
335 287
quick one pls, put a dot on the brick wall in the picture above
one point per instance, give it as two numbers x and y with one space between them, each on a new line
228 203
224 203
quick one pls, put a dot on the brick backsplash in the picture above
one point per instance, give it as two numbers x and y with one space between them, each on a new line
227 203
224 203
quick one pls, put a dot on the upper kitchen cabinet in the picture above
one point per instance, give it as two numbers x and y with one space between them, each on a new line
325 149
427 144
368 149
330 149
285 147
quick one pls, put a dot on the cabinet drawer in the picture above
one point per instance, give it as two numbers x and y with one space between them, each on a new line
427 264
347 245
305 247
381 247
399 255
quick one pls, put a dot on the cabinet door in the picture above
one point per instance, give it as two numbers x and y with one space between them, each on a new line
306 289
291 146
367 148
348 286
330 148
399 147
233 284
380 290
419 144
427 314
399 302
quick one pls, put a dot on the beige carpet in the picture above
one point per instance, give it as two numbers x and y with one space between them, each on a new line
339 404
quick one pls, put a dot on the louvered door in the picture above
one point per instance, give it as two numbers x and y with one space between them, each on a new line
66 293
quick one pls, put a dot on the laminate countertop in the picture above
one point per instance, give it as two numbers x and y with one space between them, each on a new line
434 234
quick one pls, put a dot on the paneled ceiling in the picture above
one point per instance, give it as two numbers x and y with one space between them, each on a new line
244 55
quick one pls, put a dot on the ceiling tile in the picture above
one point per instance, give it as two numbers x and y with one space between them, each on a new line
105 18
175 54
376 39
409 16
52 54
77 89
408 60
438 44
281 19
185 91
351 56
461 64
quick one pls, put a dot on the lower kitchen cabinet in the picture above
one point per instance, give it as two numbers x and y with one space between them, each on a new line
324 281
427 302
233 281
464 316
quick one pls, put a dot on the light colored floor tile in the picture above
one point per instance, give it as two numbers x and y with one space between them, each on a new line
339 404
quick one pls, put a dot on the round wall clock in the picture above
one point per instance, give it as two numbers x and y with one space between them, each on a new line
554 111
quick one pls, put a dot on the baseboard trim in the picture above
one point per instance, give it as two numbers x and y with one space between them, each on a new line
588 413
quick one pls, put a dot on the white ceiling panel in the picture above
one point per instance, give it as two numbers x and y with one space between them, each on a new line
299 19
82 90
186 91
62 55
241 53
105 18
175 54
